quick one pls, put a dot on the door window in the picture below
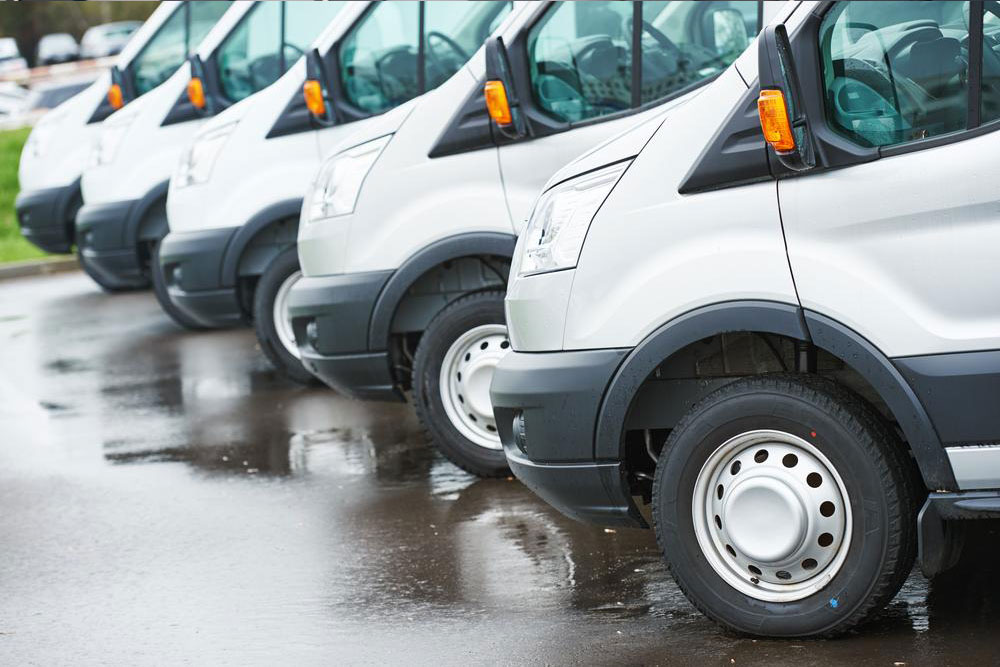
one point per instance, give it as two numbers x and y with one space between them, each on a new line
175 40
380 59
267 42
585 56
895 72
453 31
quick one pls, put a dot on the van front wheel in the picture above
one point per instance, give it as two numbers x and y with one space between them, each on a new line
452 371
786 507
270 316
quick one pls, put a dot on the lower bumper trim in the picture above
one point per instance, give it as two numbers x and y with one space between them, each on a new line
361 376
589 492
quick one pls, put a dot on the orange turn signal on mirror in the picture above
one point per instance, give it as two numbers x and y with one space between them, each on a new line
115 97
774 120
497 104
313 93
196 92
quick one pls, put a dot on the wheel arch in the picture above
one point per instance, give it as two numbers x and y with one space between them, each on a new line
419 264
790 321
273 214
143 223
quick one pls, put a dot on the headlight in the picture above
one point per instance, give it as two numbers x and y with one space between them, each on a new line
340 179
112 133
199 158
554 235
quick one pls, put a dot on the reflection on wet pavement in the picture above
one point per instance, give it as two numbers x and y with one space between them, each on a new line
164 497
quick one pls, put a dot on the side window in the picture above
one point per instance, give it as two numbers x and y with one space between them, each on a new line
895 72
453 31
583 55
162 55
176 39
685 42
249 58
204 15
304 21
990 106
378 58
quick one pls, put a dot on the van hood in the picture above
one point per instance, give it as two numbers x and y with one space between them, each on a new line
377 126
623 146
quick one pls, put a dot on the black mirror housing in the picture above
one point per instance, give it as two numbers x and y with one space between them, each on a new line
776 71
498 69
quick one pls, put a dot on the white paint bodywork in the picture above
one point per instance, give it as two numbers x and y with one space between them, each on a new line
149 151
282 167
63 135
410 201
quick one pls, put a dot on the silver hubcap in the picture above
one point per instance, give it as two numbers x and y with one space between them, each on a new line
771 516
283 323
466 375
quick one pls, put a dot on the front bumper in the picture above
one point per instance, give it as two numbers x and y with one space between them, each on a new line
192 268
46 216
330 317
546 407
102 236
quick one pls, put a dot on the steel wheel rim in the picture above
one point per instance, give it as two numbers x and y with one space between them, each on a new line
282 322
774 526
465 379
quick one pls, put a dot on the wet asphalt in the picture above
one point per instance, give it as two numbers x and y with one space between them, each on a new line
166 499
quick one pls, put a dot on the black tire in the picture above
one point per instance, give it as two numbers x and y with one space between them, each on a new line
283 266
163 296
97 278
877 474
448 326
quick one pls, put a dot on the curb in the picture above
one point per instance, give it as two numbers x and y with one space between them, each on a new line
38 267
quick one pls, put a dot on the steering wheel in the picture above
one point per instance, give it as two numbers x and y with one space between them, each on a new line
385 76
451 43
662 39
585 52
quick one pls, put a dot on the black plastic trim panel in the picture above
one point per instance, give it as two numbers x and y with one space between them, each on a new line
961 393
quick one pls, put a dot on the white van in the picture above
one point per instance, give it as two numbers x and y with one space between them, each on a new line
125 187
772 353
407 235
231 251
58 147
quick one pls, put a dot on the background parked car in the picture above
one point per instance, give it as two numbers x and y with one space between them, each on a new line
59 47
10 56
107 39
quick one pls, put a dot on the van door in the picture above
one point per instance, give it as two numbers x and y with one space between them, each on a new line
903 249
591 71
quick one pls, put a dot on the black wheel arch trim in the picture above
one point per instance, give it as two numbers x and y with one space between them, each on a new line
139 210
443 250
781 319
282 210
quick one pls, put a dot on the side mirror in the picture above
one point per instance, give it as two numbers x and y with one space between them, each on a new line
729 31
116 92
196 86
315 92
785 126
500 93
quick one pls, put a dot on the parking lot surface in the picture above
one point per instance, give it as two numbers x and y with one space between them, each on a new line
165 498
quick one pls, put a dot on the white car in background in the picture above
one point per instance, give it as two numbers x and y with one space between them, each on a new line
57 47
10 56
107 39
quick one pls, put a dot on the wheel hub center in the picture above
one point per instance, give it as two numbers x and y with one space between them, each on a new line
765 519
476 378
